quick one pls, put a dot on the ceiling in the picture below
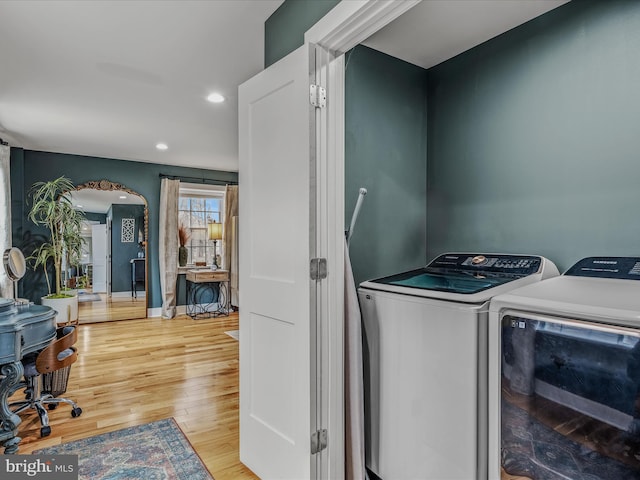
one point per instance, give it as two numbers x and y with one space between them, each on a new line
100 201
113 78
436 30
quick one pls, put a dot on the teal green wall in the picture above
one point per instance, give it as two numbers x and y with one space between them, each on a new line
28 167
284 30
123 252
385 152
97 217
534 138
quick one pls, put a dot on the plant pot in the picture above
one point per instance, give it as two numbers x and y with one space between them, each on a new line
183 255
66 307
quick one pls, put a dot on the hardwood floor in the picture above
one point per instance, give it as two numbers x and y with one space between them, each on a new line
136 371
115 308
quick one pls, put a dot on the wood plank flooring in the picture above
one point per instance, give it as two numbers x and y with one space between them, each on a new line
136 371
113 308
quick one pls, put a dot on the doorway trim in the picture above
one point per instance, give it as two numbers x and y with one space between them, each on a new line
342 28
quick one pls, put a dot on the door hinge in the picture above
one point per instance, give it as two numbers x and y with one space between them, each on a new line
317 96
318 268
318 440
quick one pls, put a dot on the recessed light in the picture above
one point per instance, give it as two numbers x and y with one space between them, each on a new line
79 206
123 196
162 146
215 98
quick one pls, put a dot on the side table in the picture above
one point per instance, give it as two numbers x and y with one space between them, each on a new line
137 275
201 287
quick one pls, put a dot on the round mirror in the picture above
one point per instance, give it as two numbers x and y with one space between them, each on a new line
14 263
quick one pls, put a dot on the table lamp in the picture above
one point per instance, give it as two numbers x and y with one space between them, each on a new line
215 234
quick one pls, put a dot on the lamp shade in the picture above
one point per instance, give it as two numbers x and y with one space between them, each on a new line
215 231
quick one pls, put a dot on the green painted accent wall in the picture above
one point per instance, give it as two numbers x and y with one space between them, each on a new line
28 167
534 138
123 252
284 30
16 167
385 152
96 217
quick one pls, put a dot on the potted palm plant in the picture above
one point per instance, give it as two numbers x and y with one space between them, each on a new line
52 209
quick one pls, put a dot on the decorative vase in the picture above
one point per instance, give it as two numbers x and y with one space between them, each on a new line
183 255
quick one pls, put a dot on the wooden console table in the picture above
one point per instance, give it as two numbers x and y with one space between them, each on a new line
201 287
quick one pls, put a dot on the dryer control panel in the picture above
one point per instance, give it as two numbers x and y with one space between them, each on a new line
625 268
492 264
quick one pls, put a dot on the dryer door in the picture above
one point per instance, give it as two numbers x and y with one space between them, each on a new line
570 398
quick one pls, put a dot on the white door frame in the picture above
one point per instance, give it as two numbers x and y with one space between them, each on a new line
345 26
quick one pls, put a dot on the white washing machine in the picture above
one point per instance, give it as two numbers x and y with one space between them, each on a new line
425 355
564 375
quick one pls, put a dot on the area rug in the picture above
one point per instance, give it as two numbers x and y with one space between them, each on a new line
536 451
235 334
88 297
153 451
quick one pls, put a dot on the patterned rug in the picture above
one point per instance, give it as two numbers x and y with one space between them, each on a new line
533 450
153 451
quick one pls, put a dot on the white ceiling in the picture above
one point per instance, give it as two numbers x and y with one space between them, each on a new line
99 201
436 30
113 78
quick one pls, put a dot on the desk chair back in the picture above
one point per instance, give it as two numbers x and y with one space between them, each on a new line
60 353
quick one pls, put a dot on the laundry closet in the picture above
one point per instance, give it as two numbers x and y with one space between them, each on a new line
524 143
527 149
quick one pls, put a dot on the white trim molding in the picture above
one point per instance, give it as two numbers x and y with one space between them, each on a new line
350 23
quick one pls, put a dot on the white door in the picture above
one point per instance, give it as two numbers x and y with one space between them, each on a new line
99 247
277 225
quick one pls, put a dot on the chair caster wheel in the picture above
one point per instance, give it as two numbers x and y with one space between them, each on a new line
45 431
76 412
52 406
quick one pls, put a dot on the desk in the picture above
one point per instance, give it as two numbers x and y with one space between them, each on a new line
23 329
137 275
201 286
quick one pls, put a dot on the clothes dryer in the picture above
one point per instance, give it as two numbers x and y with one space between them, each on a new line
425 356
564 370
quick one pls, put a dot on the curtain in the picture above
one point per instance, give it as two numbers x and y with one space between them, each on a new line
353 378
230 239
6 287
168 244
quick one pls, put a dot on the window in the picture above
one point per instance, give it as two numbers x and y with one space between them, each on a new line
197 207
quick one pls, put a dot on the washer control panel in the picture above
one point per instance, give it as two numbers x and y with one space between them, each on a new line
625 268
516 265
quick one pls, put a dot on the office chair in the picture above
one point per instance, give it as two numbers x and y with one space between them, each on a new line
45 378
